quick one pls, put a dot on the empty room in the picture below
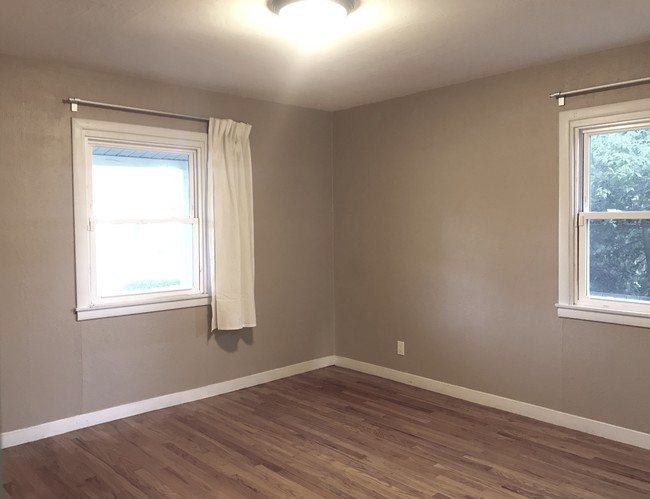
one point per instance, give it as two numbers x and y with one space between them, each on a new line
325 248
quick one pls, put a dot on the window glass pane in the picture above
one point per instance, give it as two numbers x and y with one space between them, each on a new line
139 184
143 258
618 259
619 171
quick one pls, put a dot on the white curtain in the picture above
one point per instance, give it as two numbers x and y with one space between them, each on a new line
230 225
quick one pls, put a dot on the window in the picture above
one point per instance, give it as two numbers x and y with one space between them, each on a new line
605 213
139 218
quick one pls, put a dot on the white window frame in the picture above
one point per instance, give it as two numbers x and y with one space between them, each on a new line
89 133
575 126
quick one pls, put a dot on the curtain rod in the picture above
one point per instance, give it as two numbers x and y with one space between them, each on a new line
74 102
598 88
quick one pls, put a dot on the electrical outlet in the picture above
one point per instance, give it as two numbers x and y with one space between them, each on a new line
400 347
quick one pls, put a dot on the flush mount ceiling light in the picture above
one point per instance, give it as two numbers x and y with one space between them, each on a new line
322 11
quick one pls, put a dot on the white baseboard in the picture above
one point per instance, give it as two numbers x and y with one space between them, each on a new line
598 428
24 435
606 430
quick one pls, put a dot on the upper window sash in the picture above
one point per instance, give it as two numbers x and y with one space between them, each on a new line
583 169
170 143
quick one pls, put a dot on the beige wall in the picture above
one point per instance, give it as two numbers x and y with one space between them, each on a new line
446 208
445 237
52 366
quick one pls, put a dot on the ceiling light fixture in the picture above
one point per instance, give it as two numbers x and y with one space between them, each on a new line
312 11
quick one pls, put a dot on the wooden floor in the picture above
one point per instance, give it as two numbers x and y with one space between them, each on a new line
328 433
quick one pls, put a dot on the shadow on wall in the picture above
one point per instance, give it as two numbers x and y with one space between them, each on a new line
229 340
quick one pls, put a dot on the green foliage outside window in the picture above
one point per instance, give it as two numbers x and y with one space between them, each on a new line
619 180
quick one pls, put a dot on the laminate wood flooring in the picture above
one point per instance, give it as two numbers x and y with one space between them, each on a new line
330 433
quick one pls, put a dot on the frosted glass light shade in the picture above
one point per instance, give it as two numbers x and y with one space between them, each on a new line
311 11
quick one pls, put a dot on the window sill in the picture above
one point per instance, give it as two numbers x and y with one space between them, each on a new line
622 317
116 310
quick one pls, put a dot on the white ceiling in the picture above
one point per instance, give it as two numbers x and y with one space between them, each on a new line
386 48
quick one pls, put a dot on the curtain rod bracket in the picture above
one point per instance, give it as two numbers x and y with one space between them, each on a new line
559 96
74 103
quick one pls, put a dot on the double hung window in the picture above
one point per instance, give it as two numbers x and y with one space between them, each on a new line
139 218
605 214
